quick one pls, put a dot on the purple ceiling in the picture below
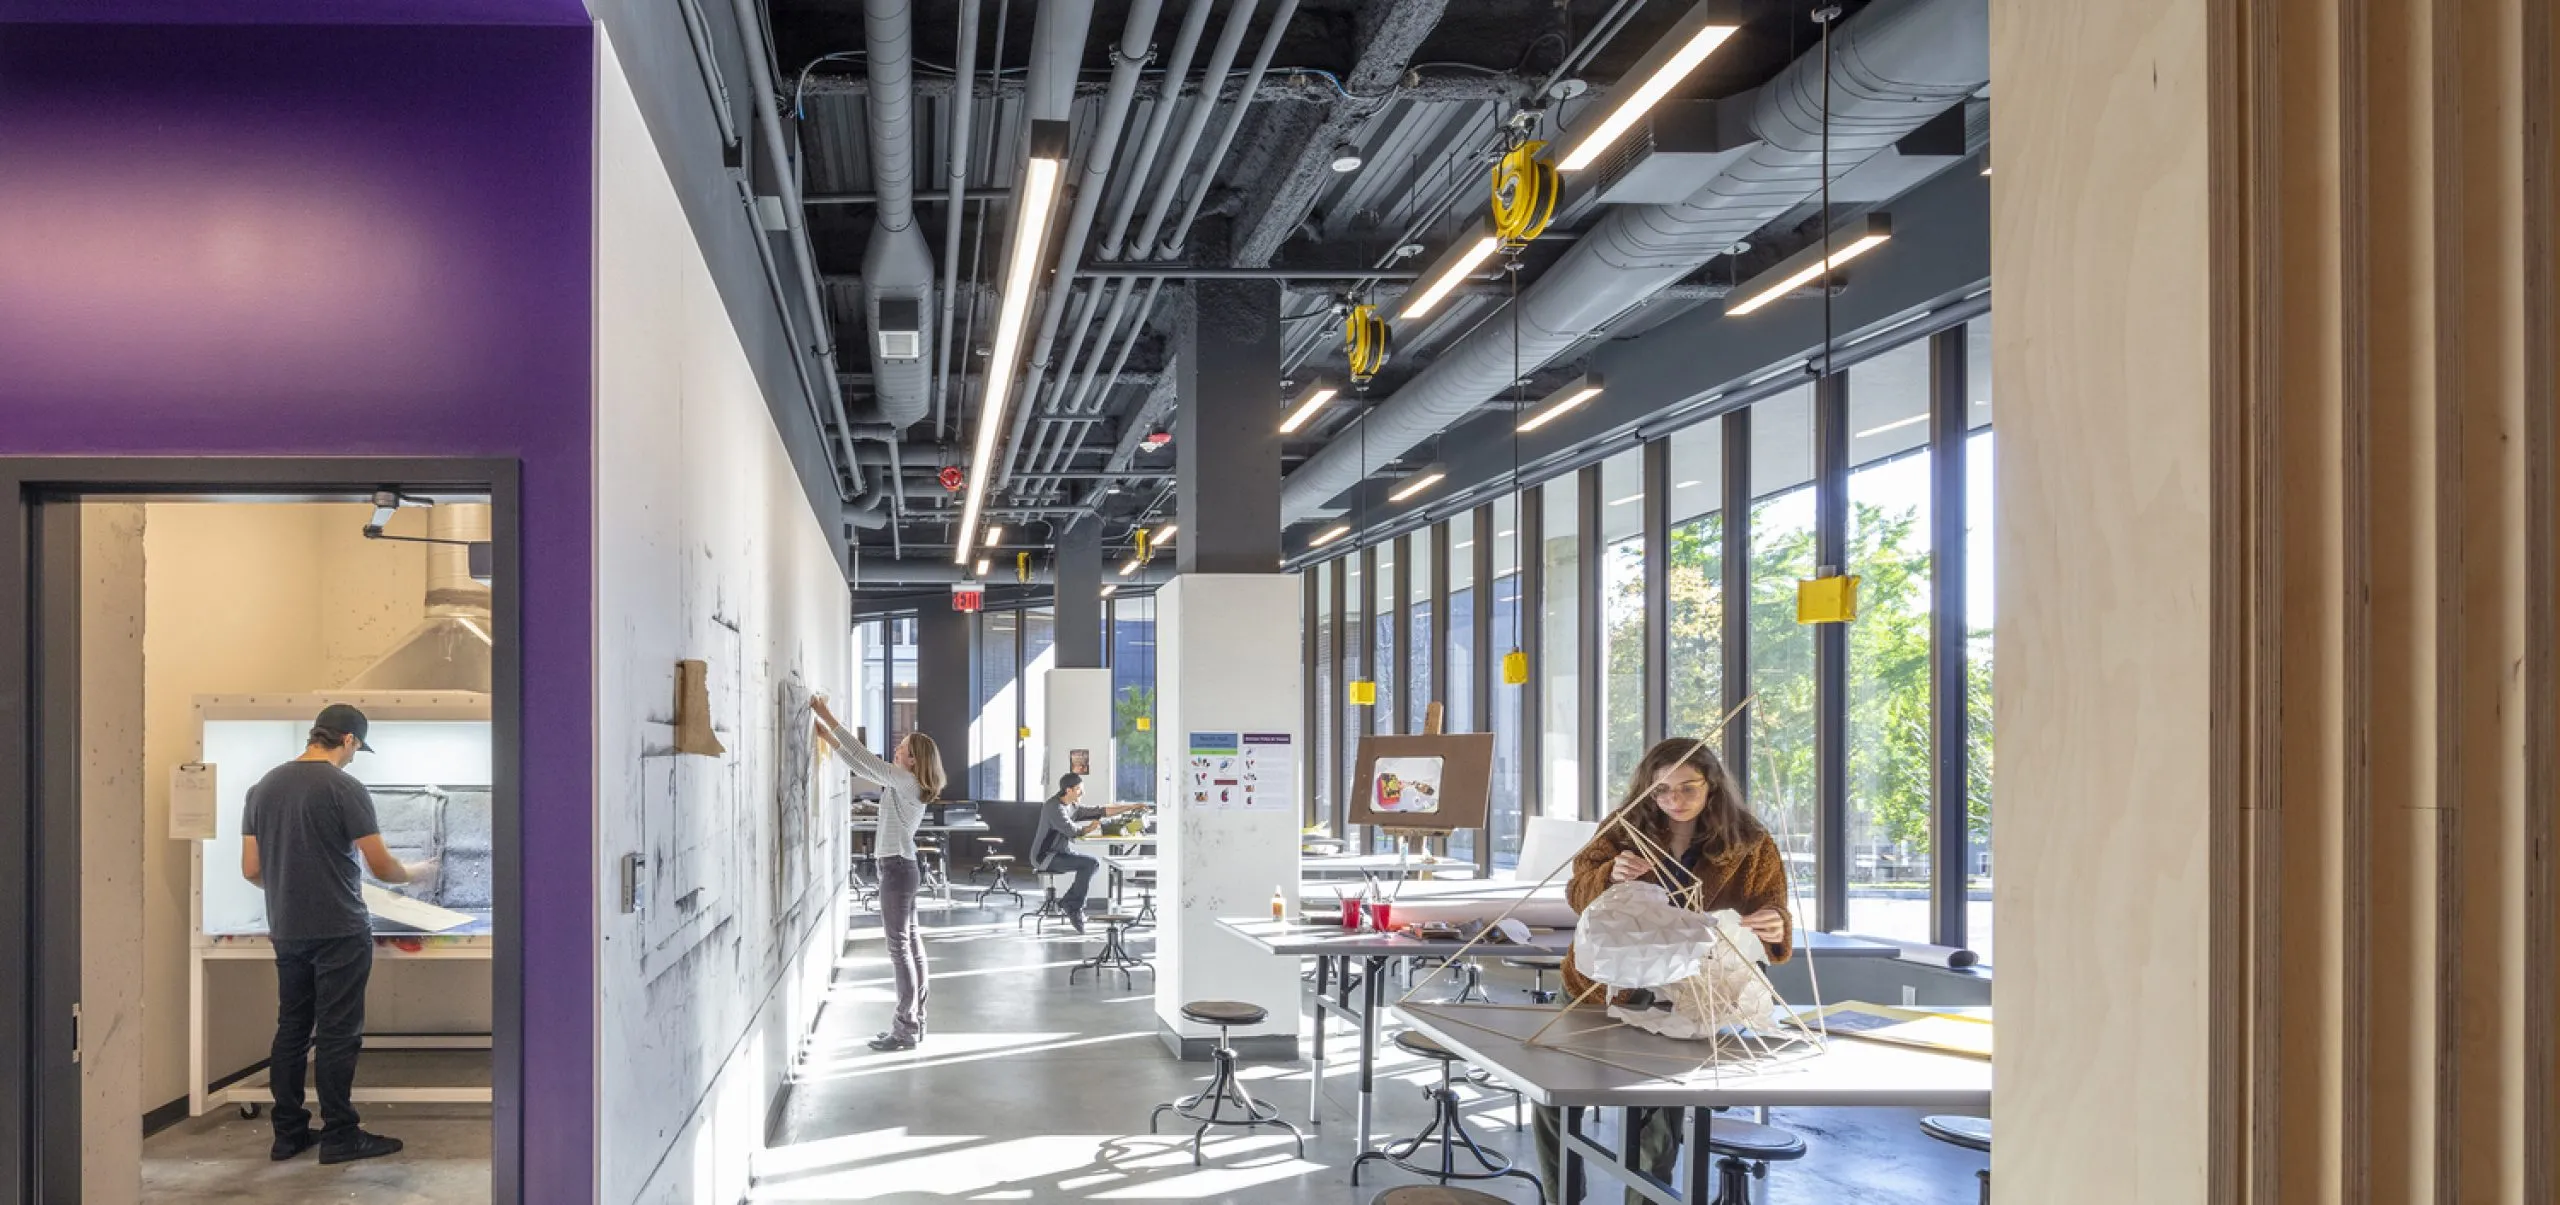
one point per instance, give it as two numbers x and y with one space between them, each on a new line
296 12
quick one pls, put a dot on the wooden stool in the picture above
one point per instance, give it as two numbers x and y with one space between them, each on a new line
1744 1151
1114 955
1447 1129
1225 1091
1434 1194
1971 1133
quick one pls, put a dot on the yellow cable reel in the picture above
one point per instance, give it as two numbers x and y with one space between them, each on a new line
1368 341
1525 188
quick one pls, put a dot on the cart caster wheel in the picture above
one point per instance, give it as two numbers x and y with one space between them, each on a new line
249 1112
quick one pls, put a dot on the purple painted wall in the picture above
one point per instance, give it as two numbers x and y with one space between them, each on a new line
312 240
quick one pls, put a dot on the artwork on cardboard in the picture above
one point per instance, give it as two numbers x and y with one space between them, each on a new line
1440 783
1406 786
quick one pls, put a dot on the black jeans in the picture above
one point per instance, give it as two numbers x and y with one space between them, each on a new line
1084 866
320 986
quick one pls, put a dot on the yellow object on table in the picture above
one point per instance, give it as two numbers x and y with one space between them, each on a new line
1947 1033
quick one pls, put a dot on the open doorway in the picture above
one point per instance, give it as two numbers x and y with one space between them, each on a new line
187 630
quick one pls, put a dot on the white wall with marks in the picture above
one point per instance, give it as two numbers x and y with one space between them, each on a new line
706 549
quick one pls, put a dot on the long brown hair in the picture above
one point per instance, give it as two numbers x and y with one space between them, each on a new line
928 766
1724 826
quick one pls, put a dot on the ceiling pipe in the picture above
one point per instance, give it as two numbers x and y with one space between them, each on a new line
874 574
897 265
1142 171
1127 59
1897 64
1098 387
964 106
785 175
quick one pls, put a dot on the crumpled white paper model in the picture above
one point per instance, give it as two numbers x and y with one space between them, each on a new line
1703 964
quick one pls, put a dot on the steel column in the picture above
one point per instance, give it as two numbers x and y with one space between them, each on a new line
1831 653
1950 653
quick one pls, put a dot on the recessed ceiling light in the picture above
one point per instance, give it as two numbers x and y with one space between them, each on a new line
1346 159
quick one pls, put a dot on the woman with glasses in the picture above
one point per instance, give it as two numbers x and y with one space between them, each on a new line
1683 826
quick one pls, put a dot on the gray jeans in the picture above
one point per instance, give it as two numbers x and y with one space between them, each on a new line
900 882
1657 1147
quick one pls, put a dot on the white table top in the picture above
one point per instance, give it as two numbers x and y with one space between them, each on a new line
1383 866
1848 1072
873 826
1098 845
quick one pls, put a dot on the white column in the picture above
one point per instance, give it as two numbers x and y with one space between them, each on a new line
1078 703
1227 661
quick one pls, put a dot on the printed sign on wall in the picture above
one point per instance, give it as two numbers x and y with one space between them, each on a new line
1241 772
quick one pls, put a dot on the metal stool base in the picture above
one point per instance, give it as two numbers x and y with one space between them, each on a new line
1224 1091
1448 1131
1002 886
1113 956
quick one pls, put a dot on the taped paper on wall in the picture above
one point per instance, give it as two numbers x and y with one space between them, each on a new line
191 802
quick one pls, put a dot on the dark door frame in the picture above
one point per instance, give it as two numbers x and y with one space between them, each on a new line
40 756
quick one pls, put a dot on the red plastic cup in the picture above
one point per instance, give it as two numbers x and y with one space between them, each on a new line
1350 914
1378 916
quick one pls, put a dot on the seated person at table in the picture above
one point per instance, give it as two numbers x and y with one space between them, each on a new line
1682 803
1052 845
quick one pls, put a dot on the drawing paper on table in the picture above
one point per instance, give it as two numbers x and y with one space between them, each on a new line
416 914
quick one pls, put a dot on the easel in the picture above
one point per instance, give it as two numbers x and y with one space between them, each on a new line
1431 721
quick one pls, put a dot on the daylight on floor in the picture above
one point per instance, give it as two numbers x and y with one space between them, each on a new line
1362 602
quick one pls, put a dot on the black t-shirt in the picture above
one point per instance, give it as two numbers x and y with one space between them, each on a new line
307 817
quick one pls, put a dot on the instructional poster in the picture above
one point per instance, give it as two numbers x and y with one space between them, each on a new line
1241 772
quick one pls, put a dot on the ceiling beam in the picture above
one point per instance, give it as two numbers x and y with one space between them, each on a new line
1297 90
1390 32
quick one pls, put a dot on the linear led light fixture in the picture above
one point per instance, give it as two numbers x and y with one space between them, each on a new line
983 562
1129 566
1329 535
1163 536
1033 207
1308 403
1108 589
1809 265
1455 265
1417 483
1575 393
1895 425
1661 69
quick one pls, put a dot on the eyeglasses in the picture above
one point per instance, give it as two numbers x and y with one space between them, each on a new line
1687 792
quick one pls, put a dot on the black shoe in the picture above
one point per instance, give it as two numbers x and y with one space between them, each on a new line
362 1146
1075 917
288 1147
889 1042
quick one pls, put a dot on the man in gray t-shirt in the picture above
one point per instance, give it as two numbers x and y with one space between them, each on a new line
307 823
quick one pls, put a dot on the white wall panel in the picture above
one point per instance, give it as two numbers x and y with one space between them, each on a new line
706 549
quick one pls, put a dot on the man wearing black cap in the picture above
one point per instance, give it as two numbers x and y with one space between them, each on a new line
307 822
1052 845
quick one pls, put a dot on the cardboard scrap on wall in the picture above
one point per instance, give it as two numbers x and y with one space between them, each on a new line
693 710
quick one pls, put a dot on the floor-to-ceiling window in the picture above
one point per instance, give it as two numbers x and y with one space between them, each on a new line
1504 720
992 742
1458 660
870 713
1420 687
1695 569
1327 700
1357 719
1039 654
1133 697
1382 636
1978 613
1622 651
1780 780
902 681
1558 662
1888 797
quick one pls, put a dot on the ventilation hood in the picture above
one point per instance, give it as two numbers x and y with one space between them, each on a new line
449 650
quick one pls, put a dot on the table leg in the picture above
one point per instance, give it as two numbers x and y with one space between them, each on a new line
1570 1155
1370 991
1315 1072
1702 1167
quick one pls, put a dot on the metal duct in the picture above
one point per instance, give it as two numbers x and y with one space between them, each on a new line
897 266
1057 56
870 514
1895 65
449 650
869 574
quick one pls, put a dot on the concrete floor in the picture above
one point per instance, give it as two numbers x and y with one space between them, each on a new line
223 1157
1031 1090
